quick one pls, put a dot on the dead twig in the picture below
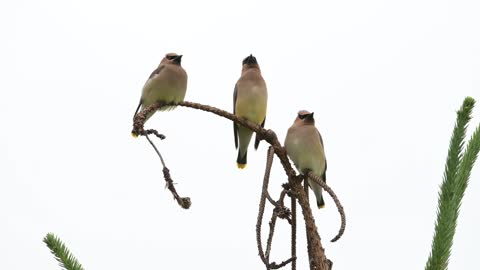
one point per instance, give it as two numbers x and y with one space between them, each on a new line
184 202
279 211
294 231
332 194
266 256
316 252
156 150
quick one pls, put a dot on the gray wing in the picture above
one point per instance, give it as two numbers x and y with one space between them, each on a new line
235 131
257 139
325 172
320 135
138 108
156 71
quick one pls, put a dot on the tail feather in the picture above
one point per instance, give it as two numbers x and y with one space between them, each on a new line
257 141
241 160
317 190
320 203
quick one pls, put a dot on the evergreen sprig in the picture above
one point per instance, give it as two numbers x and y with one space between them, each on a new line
455 180
61 252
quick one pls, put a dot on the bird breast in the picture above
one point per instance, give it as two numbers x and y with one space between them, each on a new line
305 150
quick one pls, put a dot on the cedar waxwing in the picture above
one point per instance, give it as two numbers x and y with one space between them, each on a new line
304 146
167 83
250 102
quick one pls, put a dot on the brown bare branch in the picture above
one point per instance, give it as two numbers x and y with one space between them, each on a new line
184 202
279 211
324 185
265 257
261 209
294 231
317 253
317 257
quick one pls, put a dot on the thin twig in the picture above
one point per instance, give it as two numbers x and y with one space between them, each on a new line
271 200
154 132
332 194
279 206
156 150
272 223
279 211
294 231
184 202
265 256
282 264
139 121
261 209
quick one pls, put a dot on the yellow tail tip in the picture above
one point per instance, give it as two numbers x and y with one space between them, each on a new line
241 166
321 206
134 135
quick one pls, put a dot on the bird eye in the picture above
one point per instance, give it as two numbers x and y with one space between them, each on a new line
302 116
171 57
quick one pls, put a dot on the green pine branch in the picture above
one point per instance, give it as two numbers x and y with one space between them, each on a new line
61 252
455 180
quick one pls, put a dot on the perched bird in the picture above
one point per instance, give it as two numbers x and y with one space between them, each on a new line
304 146
250 102
168 83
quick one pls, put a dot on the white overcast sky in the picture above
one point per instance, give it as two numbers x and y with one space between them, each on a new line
384 79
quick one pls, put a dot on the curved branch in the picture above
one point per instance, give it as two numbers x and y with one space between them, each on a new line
319 260
266 256
261 209
280 211
332 194
294 231
184 202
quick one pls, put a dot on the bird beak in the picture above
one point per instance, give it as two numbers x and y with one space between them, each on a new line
178 59
310 116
